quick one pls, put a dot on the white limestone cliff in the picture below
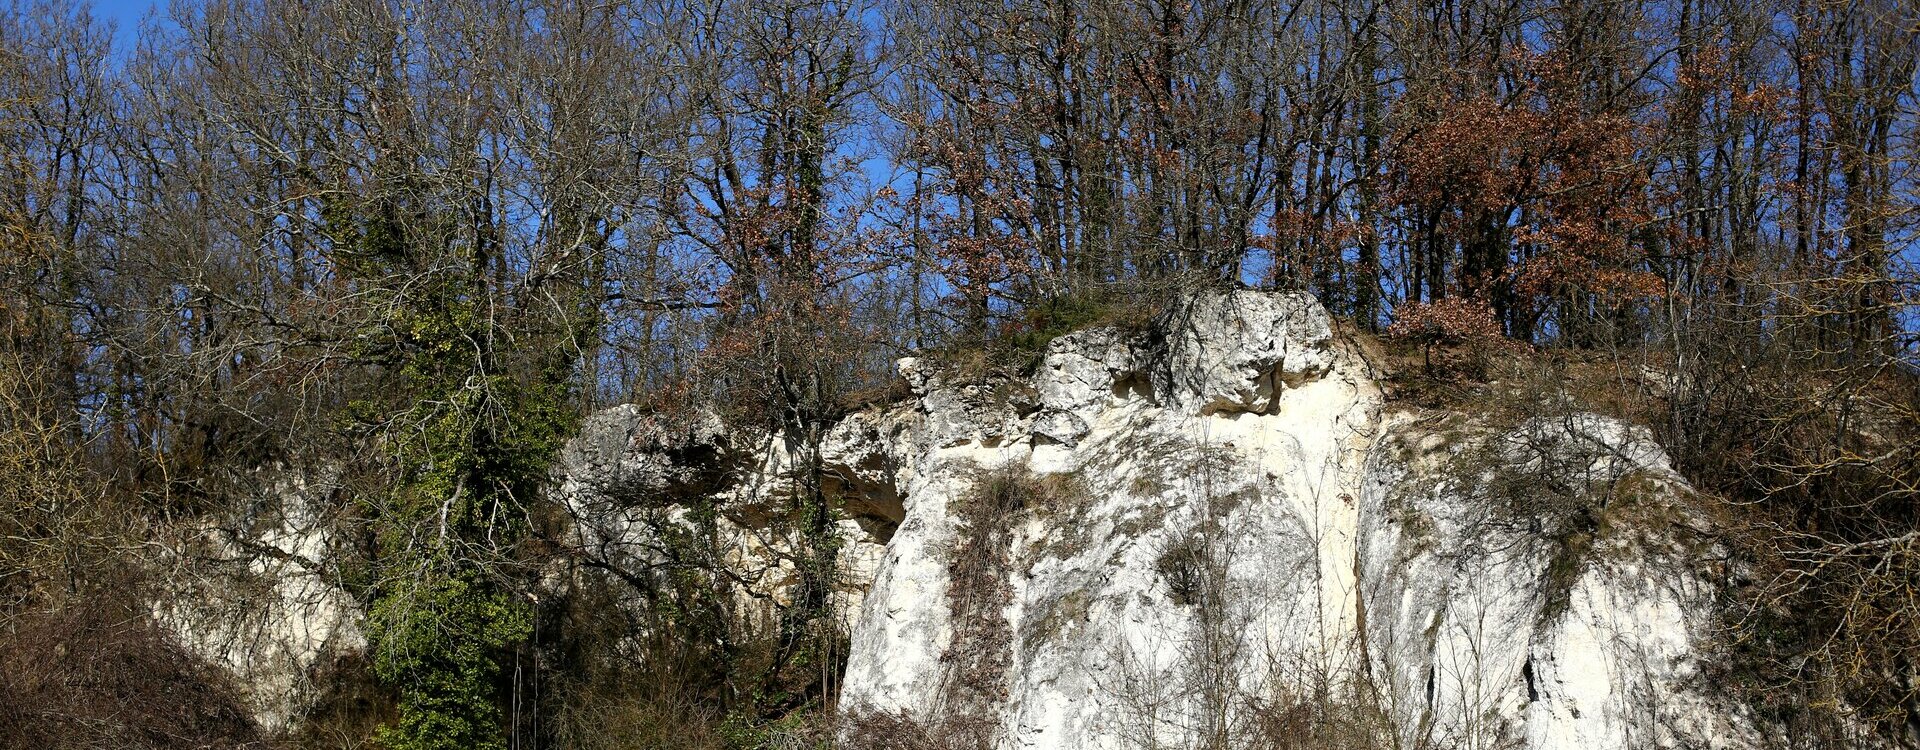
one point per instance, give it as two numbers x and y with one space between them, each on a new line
257 594
1184 537
1254 531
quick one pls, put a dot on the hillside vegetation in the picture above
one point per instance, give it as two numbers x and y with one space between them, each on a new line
408 246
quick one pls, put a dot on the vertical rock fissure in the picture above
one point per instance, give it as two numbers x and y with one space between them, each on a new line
974 666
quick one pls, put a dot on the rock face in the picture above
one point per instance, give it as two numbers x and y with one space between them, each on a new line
257 595
1213 534
1218 532
628 477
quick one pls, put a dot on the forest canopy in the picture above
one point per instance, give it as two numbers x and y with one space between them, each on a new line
416 241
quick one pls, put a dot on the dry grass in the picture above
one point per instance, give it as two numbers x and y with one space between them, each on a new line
100 675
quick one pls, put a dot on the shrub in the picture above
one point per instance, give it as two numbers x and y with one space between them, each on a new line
100 674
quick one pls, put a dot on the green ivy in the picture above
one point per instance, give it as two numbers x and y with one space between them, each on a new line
466 435
437 646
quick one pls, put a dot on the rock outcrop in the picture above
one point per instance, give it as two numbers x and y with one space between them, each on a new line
1228 532
629 478
258 593
1200 535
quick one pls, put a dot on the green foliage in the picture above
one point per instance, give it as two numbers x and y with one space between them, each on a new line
436 643
1052 319
466 432
1020 343
1024 340
442 610
808 728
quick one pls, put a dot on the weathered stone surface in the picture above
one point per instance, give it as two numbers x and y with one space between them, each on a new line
258 594
1255 527
1537 587
629 476
1217 522
1238 352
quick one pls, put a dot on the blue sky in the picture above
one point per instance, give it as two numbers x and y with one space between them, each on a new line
126 15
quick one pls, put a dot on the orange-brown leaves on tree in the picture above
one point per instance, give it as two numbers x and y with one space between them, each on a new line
1543 190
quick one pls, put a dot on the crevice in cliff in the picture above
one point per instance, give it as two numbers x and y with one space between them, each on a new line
1134 385
876 506
973 679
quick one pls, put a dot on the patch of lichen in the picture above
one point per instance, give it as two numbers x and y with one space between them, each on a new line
1053 618
1564 497
1632 519
1063 509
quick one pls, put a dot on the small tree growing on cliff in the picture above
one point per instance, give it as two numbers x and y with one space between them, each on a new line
1450 321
